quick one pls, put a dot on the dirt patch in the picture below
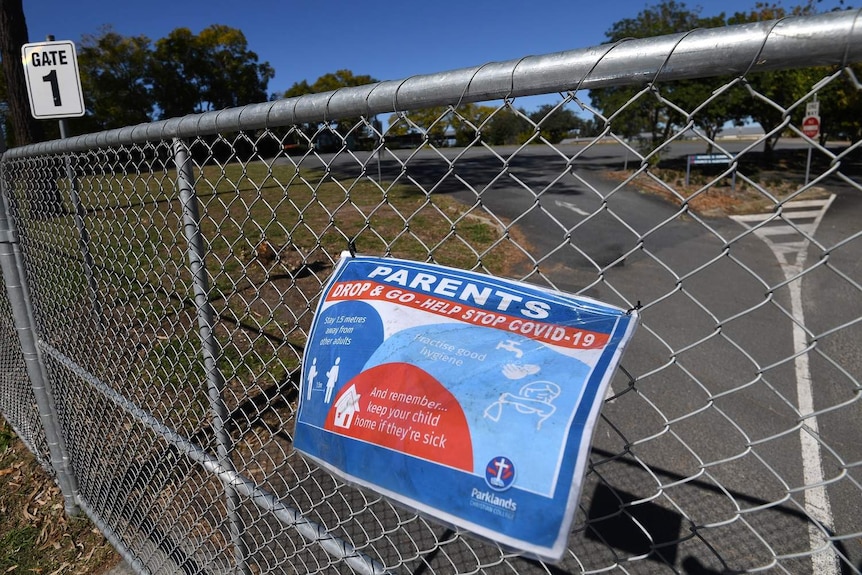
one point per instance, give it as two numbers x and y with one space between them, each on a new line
710 196
36 536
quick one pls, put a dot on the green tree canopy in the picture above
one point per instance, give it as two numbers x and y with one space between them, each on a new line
767 98
178 74
441 123
208 71
114 77
434 123
657 110
509 126
504 125
841 106
555 122
128 80
328 83
469 122
771 92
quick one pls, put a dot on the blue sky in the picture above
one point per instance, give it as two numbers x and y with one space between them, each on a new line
386 39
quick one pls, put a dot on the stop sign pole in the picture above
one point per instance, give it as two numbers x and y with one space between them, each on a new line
811 128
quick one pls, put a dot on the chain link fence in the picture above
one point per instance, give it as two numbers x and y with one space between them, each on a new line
162 278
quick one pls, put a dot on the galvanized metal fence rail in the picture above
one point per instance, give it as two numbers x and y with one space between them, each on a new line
160 282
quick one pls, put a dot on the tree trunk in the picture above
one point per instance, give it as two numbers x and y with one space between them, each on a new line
26 129
769 148
13 34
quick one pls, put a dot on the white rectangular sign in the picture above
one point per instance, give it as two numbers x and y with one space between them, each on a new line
53 82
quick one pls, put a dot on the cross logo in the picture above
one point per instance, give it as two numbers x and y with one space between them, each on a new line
500 473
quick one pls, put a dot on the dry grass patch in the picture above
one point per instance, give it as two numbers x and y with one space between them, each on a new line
707 196
36 536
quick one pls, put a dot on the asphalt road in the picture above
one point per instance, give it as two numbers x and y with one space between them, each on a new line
712 459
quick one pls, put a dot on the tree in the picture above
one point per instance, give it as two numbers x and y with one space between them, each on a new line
508 126
772 92
345 127
654 110
762 97
5 119
329 82
841 107
711 105
115 79
209 71
555 122
469 121
177 73
235 77
13 35
25 128
434 123
496 125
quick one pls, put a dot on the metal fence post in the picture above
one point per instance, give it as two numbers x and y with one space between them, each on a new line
19 300
209 345
83 234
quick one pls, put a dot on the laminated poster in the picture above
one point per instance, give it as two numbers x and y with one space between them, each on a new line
469 398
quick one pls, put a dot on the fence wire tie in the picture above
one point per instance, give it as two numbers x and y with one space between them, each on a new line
9 237
351 247
637 307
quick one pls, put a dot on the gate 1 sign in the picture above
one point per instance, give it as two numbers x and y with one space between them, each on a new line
53 82
469 398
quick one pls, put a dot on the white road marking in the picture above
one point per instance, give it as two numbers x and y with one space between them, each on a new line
785 230
791 256
572 207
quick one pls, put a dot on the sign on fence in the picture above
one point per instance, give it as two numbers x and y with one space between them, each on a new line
467 397
53 81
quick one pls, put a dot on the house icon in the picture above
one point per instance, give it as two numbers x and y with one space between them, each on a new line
346 406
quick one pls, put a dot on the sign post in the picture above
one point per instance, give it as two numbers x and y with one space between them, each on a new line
811 129
54 90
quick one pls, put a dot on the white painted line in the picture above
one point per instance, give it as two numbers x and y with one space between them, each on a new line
824 560
754 217
785 215
800 214
572 207
809 203
785 229
791 210
788 248
817 504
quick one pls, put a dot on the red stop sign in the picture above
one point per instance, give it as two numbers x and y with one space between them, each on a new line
811 126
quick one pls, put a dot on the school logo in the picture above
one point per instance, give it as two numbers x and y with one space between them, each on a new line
500 473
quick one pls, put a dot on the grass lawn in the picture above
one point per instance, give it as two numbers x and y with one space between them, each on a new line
271 233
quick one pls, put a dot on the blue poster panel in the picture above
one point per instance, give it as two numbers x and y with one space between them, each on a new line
470 398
